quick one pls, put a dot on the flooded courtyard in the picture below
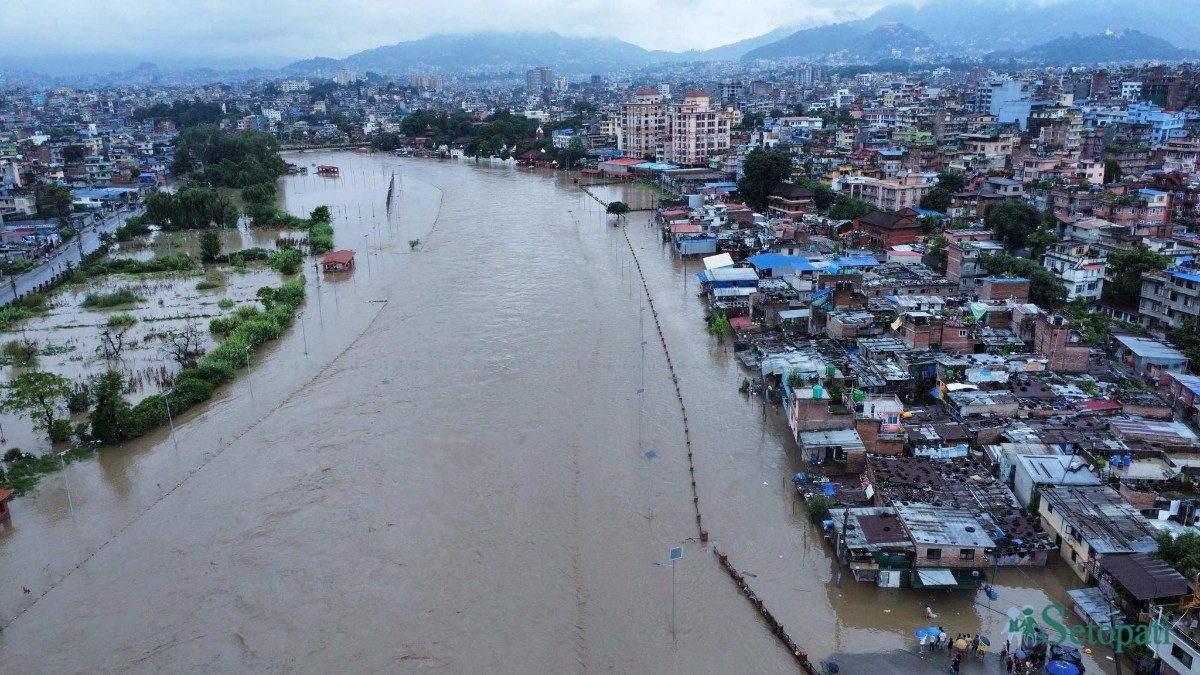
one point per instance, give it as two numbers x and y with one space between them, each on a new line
441 468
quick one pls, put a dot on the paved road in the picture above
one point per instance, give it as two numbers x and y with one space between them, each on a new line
69 252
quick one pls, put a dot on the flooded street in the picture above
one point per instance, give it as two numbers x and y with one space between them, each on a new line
450 480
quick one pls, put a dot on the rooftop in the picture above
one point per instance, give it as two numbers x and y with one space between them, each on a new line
939 525
1103 518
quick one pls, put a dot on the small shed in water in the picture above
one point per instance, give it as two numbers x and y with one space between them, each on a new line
338 261
5 514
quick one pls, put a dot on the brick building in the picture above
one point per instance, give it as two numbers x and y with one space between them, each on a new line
887 229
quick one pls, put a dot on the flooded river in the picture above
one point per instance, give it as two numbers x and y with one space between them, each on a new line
450 480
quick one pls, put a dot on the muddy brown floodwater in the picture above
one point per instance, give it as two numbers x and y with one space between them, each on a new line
450 480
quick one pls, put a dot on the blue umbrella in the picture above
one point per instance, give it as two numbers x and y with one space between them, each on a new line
1020 654
920 633
933 630
1061 668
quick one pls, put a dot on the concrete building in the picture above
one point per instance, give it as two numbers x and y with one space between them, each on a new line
644 129
1031 472
1170 296
964 261
537 79
951 549
1089 523
1080 266
697 131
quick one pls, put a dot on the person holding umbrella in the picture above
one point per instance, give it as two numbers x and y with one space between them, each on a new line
923 636
984 643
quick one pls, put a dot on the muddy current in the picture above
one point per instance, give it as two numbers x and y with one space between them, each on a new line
441 469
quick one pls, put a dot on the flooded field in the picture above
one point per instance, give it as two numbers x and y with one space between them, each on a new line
441 468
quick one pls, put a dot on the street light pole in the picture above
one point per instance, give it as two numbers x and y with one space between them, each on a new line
250 369
66 482
300 320
676 554
367 252
170 420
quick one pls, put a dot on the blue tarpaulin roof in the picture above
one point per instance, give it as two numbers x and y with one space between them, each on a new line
766 261
655 166
857 261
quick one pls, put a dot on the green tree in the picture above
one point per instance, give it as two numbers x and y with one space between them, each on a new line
951 181
320 215
823 196
74 154
56 201
287 261
618 209
108 407
762 171
938 246
40 395
1040 241
1045 289
1112 171
183 163
1127 268
849 208
937 199
1013 222
1182 552
210 245
567 157
1187 338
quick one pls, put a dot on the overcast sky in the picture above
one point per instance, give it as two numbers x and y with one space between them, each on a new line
274 29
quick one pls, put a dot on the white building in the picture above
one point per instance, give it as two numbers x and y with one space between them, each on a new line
1080 266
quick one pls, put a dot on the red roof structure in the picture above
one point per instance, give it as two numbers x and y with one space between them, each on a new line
338 261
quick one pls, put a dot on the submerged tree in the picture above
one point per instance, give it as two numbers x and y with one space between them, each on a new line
40 395
618 209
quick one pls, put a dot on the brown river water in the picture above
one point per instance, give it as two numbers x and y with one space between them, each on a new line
451 480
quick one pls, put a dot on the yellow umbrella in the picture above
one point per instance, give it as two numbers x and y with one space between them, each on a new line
961 644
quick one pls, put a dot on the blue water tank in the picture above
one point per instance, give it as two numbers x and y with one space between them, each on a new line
1128 459
828 489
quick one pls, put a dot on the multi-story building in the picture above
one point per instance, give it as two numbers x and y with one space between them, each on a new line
1080 266
344 77
537 79
1164 124
697 131
964 261
1168 297
644 128
893 194
1145 212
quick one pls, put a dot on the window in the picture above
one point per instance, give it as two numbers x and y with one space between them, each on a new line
1182 656
962 333
933 554
966 554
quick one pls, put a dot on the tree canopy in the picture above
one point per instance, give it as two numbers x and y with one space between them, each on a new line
951 181
937 199
1127 268
762 171
1045 289
849 208
182 113
1112 171
190 208
1013 222
618 209
40 395
56 201
1182 552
